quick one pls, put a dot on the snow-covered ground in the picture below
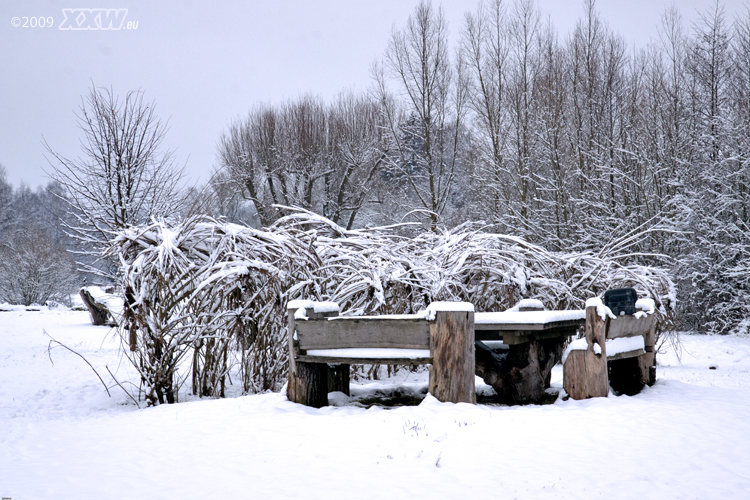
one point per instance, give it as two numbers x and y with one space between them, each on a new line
61 436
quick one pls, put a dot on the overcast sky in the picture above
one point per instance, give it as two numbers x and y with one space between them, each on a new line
205 63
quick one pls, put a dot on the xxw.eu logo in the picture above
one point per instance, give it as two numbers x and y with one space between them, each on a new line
95 19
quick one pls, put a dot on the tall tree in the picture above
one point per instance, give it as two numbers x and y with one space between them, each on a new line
124 177
425 117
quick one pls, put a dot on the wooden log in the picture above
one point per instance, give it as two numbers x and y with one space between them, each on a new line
100 314
585 372
452 349
520 374
308 382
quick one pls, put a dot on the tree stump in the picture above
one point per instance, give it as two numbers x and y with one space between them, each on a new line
521 374
100 314
452 350
585 373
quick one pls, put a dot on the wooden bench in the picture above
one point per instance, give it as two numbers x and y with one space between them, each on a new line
513 351
616 351
442 337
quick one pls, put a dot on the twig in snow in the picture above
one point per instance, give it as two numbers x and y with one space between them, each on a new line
121 387
49 353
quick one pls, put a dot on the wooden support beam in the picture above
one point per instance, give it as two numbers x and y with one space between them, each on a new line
308 382
452 349
585 372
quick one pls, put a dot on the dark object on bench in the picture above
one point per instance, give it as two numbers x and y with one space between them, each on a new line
621 301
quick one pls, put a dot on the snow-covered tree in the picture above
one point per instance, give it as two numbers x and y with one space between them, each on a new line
123 177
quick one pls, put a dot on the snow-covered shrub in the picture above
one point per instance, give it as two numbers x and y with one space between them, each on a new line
201 293
209 294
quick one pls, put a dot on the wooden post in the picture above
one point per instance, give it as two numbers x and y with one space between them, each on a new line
647 361
452 350
308 382
585 372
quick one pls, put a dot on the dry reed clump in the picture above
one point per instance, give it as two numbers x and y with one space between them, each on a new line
204 296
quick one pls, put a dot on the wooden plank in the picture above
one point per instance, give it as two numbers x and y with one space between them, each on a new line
530 326
515 337
630 326
363 333
623 355
364 361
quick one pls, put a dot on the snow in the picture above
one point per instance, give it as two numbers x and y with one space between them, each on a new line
528 317
297 304
423 314
323 307
61 436
300 314
576 345
113 302
371 353
646 305
625 344
530 303
602 310
4 307
318 307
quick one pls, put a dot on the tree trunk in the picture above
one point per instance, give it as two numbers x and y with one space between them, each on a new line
521 374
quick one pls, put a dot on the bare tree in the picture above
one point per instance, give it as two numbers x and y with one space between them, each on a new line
124 177
308 154
425 126
33 269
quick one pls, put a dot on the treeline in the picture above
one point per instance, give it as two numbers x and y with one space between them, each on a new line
35 266
566 140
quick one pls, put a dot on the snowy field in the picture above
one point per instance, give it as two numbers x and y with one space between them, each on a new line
61 436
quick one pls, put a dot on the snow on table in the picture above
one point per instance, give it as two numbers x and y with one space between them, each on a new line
528 318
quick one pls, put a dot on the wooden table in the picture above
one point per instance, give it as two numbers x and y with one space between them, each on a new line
520 371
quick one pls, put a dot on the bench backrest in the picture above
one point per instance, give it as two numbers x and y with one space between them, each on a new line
363 332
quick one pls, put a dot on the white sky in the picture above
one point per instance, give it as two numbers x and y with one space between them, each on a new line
205 63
